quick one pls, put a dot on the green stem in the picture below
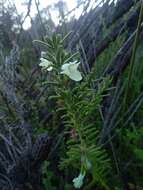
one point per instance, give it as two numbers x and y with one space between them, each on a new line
90 185
135 45
93 183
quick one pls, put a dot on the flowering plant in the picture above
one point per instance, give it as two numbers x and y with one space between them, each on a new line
76 104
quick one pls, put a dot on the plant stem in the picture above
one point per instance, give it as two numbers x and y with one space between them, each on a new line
135 45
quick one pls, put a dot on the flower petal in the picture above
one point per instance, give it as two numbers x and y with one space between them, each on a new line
50 68
70 69
65 69
73 66
76 76
46 64
43 53
78 181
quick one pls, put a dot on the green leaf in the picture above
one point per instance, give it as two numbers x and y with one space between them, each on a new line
139 153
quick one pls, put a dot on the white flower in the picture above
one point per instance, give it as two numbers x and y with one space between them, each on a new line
70 69
46 64
78 181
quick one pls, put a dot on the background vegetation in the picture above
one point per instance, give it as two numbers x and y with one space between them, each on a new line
59 134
